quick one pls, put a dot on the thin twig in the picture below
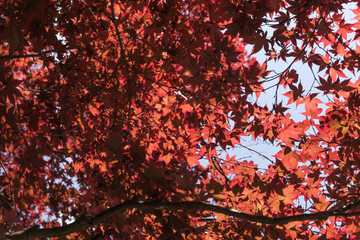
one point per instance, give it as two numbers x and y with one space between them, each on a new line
242 165
7 174
2 165
10 56
259 153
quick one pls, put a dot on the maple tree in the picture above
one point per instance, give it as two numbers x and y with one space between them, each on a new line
106 108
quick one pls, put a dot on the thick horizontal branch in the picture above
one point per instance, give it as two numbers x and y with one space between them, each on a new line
87 220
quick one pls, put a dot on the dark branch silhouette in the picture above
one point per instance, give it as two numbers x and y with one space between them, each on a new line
11 56
87 220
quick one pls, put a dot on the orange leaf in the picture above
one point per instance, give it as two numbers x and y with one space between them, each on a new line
192 160
291 160
93 108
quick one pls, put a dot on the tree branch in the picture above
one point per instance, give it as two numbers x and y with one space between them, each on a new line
87 220
11 56
257 152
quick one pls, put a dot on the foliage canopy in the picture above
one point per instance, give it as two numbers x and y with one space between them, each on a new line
106 108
